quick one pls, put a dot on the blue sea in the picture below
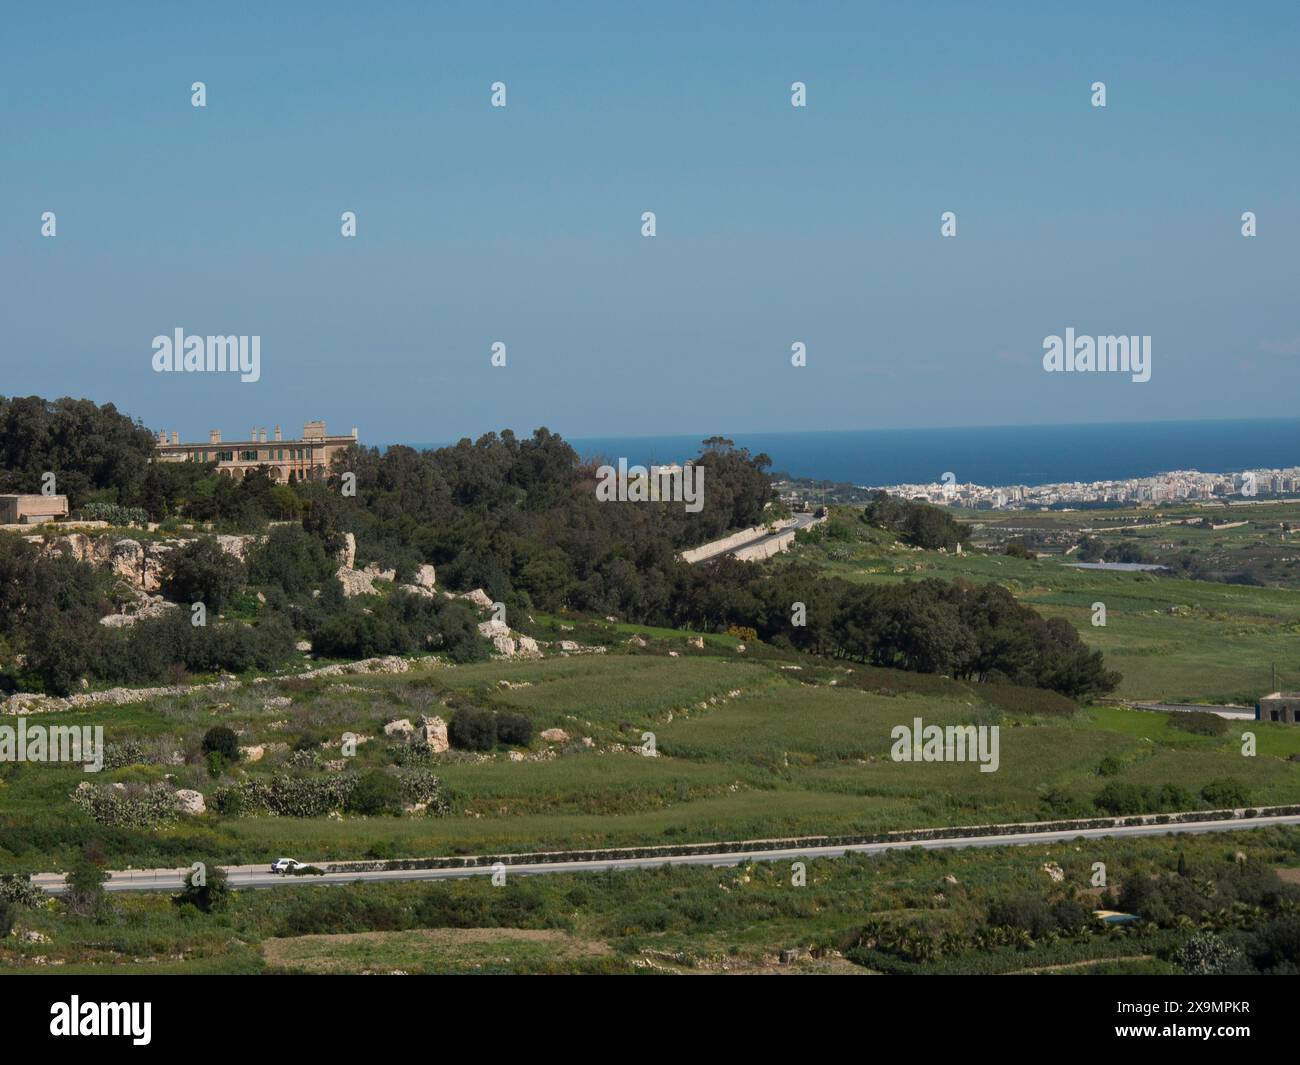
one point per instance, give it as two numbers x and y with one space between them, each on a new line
1007 455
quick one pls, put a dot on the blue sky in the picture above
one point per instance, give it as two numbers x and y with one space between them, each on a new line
775 224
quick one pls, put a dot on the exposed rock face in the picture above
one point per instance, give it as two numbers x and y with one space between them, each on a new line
355 582
147 607
401 727
516 756
504 645
139 564
237 545
34 703
568 645
479 598
189 801
433 733
1054 871
347 555
415 589
554 735
362 581
696 641
494 628
252 754
385 664
528 647
424 576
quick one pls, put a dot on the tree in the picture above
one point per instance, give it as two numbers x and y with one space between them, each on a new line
1204 954
201 572
85 893
88 448
205 889
291 559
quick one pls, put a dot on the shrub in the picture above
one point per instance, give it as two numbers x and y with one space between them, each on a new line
1199 723
515 729
1204 954
421 785
211 894
1028 913
1225 793
20 890
472 729
136 806
221 740
375 792
287 796
114 514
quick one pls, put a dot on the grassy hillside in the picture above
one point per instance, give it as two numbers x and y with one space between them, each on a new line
1173 640
746 748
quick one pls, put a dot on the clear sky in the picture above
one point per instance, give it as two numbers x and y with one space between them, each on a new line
774 224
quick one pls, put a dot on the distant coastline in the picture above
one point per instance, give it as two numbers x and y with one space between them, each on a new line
1005 455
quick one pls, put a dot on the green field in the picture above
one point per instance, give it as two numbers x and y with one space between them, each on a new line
1173 640
745 749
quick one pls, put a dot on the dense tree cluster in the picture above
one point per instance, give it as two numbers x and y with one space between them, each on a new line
974 632
916 523
88 448
518 517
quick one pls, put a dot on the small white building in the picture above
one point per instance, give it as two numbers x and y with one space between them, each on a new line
32 509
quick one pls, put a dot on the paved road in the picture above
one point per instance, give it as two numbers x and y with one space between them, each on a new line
801 521
1232 713
258 876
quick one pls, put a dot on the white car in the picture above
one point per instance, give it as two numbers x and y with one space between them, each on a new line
286 865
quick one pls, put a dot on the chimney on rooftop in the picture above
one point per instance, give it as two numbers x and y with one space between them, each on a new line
176 437
354 432
214 436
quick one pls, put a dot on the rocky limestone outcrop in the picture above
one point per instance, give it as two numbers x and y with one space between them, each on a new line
401 727
189 801
139 564
347 554
355 582
554 735
362 581
432 732
36 703
143 609
425 576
